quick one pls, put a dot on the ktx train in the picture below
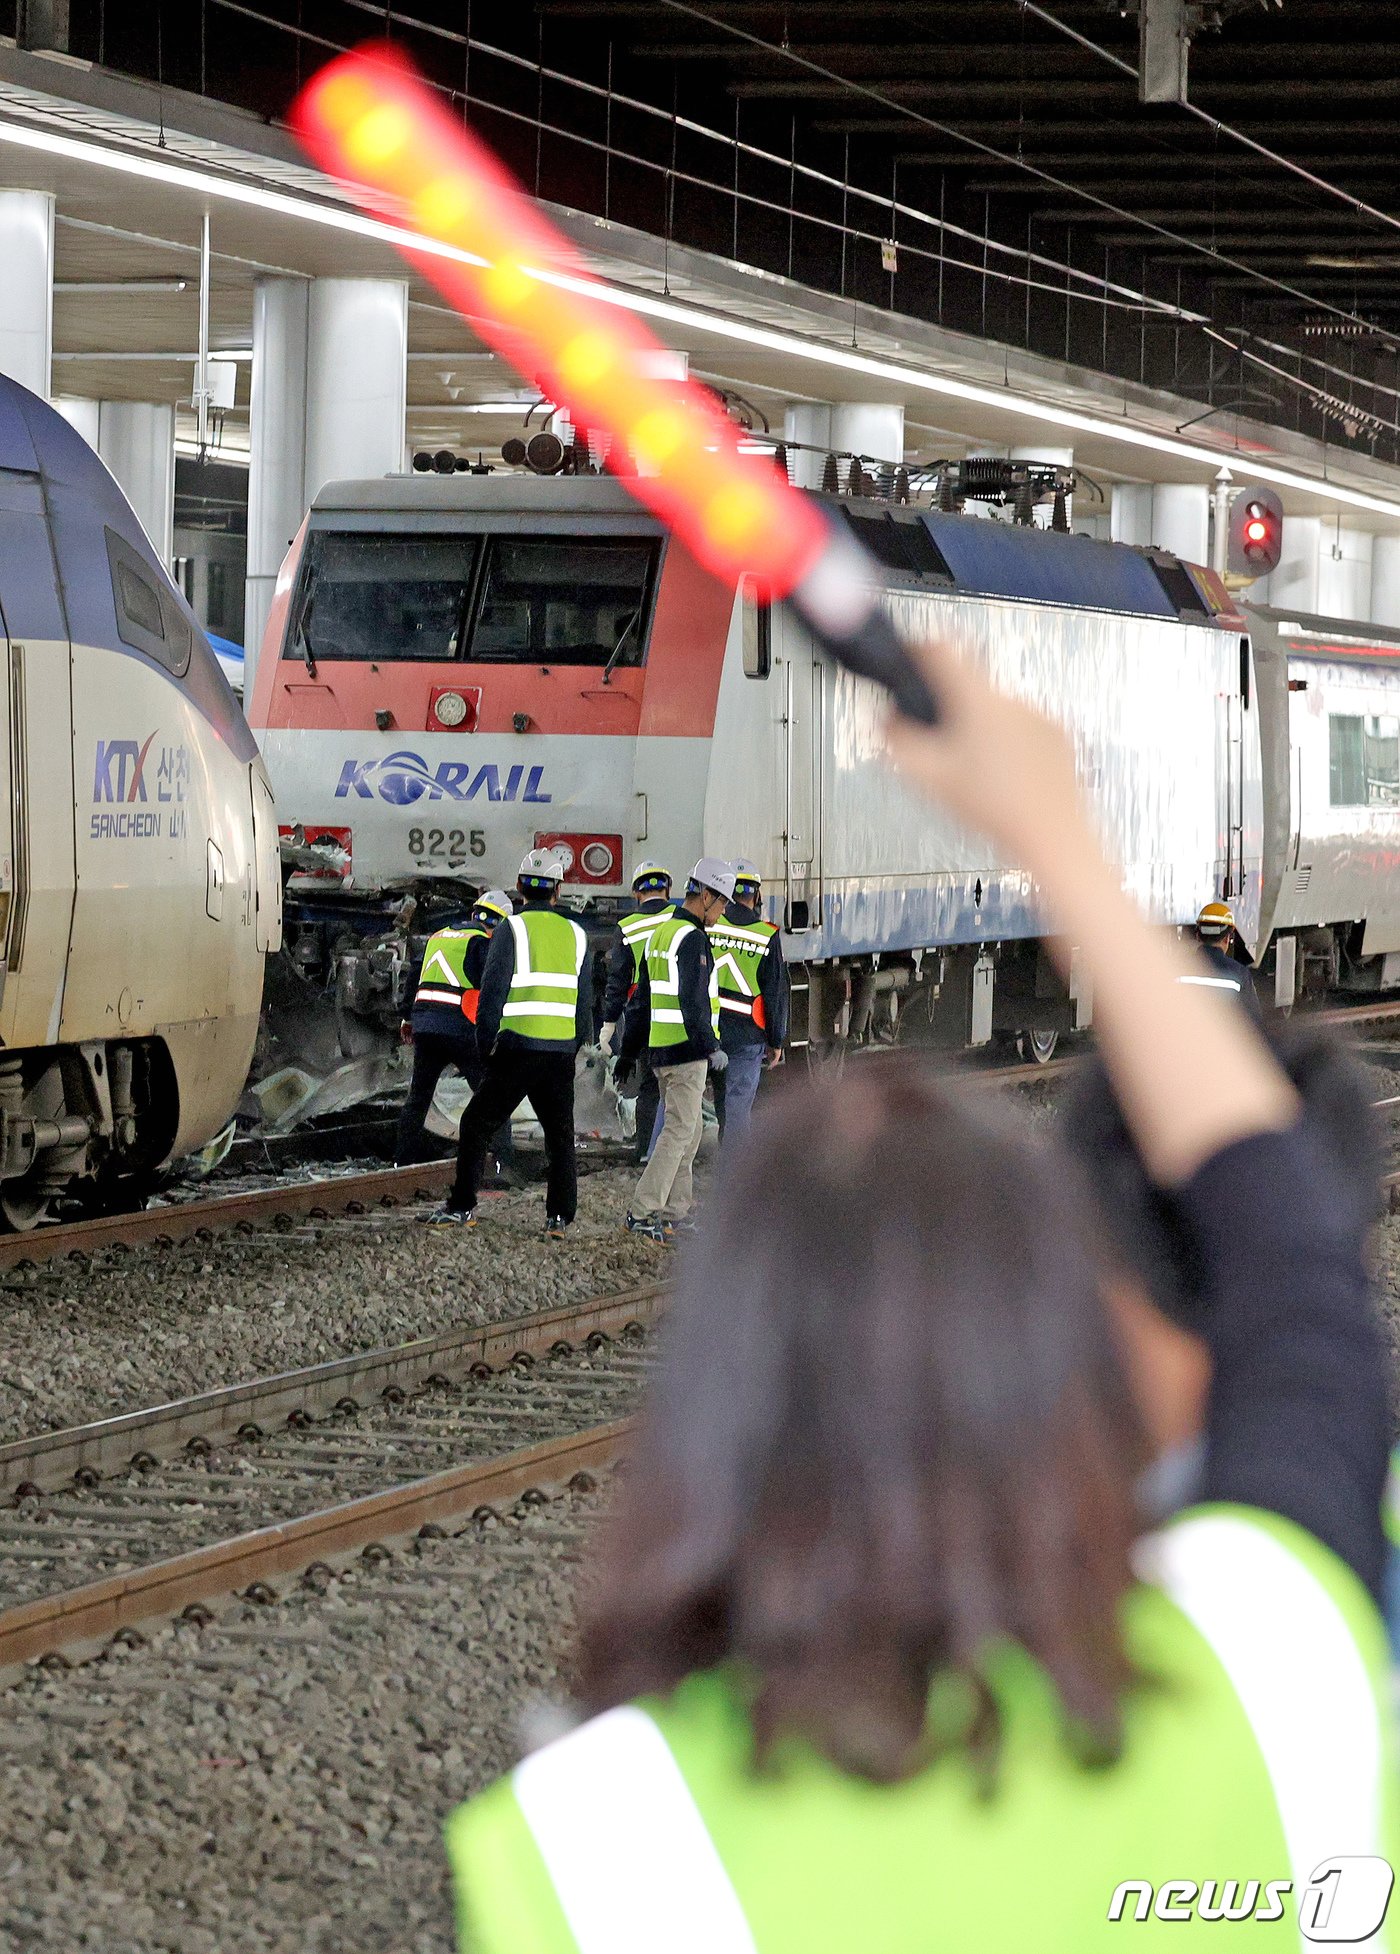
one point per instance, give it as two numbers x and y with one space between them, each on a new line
458 668
140 886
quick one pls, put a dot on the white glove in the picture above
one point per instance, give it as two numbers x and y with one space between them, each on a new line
607 1037
719 1061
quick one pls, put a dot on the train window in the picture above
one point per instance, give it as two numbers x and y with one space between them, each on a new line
564 600
149 618
381 598
1364 756
758 628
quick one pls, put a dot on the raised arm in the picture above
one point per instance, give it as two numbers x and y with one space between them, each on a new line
1296 1420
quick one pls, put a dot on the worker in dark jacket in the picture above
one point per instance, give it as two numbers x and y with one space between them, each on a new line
674 1018
536 1011
753 999
651 887
1218 940
442 1023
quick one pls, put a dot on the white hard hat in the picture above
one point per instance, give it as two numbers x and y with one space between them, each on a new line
744 871
541 865
649 872
495 902
711 873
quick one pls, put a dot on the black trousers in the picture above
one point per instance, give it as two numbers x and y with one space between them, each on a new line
546 1079
433 1052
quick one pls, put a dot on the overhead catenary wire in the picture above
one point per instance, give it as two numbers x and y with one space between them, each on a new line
903 109
1212 122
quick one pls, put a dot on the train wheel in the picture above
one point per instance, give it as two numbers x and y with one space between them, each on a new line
1037 1047
23 1205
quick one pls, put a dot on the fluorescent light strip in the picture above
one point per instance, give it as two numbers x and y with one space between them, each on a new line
305 210
178 176
1002 402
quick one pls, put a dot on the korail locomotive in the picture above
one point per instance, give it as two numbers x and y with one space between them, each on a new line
140 885
459 667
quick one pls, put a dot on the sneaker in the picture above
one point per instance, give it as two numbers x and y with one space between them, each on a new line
650 1227
554 1227
448 1217
688 1225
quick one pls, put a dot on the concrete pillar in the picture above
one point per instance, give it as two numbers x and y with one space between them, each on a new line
1344 571
1181 520
807 421
80 414
277 446
136 439
356 379
1056 458
26 288
866 428
329 395
1293 586
1385 581
1131 514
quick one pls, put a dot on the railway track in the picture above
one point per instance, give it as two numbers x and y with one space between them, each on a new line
325 1463
389 1187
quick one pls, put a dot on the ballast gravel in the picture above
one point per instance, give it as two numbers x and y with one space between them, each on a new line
137 1329
275 1782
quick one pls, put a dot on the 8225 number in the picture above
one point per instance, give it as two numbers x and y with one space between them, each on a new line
450 845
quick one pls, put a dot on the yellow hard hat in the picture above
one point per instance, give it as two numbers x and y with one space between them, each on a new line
1215 919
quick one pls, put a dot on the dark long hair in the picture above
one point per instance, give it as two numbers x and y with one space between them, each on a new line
889 1431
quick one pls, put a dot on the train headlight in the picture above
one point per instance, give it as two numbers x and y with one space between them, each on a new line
453 708
595 859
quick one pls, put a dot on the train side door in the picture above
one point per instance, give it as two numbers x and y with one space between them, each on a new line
1229 790
37 869
802 728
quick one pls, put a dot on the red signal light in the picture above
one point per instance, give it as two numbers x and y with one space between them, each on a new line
1256 531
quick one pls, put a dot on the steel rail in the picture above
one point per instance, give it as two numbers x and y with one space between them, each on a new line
180 1221
81 1620
85 1453
388 1187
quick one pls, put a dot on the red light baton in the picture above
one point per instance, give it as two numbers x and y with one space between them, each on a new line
369 119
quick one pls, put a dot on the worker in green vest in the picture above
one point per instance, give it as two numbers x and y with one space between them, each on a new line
673 1018
442 1023
651 890
753 999
536 1011
878 1654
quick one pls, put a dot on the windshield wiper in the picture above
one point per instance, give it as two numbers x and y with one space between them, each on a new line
628 628
301 629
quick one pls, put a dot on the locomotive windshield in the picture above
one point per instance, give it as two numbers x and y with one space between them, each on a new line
382 597
518 600
563 600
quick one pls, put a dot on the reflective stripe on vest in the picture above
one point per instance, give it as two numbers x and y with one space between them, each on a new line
549 953
663 973
739 952
1291 1656
1305 1692
637 931
676 1895
1214 983
443 978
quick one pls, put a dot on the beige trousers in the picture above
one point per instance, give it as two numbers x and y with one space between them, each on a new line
665 1187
